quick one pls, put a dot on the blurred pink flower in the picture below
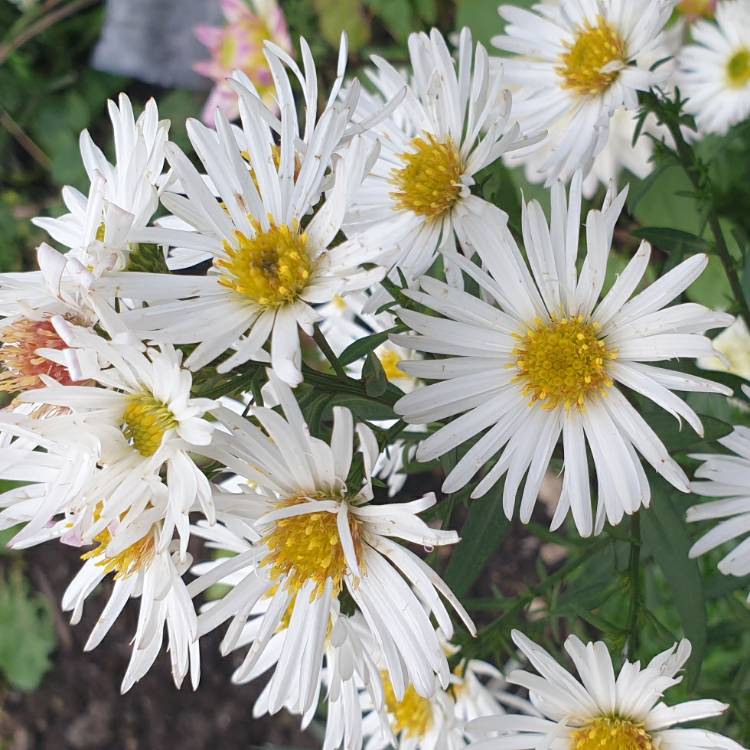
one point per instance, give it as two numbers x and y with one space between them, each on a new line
239 46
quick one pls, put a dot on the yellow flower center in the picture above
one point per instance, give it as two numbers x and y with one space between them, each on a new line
145 420
309 547
271 268
412 715
611 733
587 65
738 69
562 362
429 183
132 559
20 365
390 361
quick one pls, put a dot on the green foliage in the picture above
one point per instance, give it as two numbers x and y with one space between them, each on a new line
27 634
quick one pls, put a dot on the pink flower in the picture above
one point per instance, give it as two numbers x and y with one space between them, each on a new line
239 46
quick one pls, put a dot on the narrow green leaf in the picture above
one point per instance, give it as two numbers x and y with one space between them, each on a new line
673 240
364 346
374 376
666 539
482 533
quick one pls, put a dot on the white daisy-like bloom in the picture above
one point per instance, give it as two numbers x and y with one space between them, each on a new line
140 416
546 360
453 122
122 197
313 540
574 65
714 73
733 345
413 722
47 470
270 237
725 477
28 300
143 569
480 689
601 711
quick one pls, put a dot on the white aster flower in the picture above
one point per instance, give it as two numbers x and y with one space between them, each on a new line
727 478
452 123
271 259
575 63
546 362
601 711
141 419
122 197
141 570
714 72
733 345
314 540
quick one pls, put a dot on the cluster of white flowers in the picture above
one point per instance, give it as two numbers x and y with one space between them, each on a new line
122 444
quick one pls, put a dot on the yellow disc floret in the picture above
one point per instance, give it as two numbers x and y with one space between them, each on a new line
429 183
593 61
611 733
309 547
137 556
145 420
562 362
271 268
412 715
738 69
390 361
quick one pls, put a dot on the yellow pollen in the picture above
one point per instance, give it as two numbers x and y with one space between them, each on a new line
271 268
309 547
595 47
563 362
132 559
20 365
412 715
611 733
738 69
145 420
429 183
390 361
101 231
339 303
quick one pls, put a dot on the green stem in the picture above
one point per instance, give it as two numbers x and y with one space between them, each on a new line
328 353
634 574
696 171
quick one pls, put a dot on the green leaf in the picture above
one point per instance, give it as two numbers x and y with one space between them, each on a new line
482 18
665 538
363 346
396 16
673 240
680 438
482 533
363 409
27 634
337 16
374 377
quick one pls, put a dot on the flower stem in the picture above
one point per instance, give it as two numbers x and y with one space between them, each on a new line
634 575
